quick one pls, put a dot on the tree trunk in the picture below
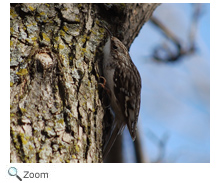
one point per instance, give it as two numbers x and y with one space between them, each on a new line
56 104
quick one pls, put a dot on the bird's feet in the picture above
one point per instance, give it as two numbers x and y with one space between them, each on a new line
103 85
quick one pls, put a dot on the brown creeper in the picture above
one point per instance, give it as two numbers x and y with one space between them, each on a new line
124 82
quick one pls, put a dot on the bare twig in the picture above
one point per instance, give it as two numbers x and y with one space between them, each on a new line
171 56
160 142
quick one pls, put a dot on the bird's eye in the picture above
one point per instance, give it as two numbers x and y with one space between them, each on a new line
115 47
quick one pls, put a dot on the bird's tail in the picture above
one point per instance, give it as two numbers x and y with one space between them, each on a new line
111 140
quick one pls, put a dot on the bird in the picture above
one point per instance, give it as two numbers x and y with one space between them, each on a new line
123 82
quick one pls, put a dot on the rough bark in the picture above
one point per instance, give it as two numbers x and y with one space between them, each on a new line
56 104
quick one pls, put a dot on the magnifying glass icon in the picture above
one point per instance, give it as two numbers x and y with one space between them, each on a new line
13 172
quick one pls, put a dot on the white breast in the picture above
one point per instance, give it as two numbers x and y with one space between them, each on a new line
108 71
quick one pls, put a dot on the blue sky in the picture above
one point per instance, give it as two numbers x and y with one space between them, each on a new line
175 96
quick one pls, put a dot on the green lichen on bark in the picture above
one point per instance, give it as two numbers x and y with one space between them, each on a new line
56 113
